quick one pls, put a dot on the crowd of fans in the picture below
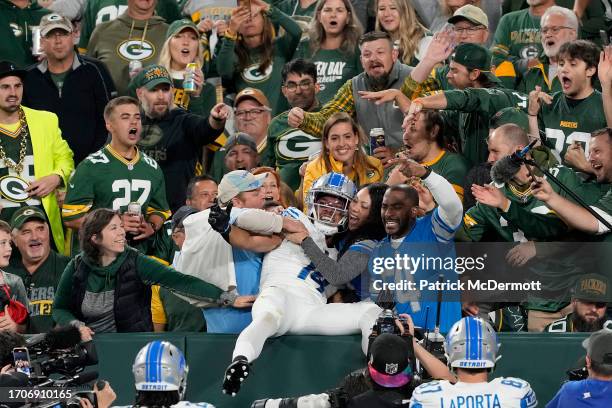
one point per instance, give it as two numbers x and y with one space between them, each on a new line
124 124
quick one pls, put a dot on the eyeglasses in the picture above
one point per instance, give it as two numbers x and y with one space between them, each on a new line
251 112
56 34
468 30
304 85
554 30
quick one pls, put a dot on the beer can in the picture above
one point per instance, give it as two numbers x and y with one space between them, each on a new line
134 208
36 50
134 68
189 84
377 139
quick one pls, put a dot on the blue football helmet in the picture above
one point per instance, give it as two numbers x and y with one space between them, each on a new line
471 343
330 219
160 366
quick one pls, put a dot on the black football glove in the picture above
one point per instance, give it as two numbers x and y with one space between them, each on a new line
219 220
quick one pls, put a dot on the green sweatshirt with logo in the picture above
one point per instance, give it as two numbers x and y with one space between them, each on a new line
16 32
117 42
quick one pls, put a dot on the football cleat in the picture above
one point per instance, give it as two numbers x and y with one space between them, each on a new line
234 375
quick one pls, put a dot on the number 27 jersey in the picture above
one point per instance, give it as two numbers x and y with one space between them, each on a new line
500 392
107 180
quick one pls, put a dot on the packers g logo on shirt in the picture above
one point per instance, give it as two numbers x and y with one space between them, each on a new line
529 51
17 30
14 188
297 145
135 50
252 73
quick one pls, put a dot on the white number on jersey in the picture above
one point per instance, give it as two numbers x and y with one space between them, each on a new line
98 157
523 100
149 161
558 136
125 187
109 13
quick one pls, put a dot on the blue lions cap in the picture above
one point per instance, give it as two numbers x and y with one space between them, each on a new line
236 182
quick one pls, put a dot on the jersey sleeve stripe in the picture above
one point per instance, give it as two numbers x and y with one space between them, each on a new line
164 214
74 210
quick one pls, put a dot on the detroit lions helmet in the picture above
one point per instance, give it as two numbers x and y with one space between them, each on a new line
160 366
324 216
471 343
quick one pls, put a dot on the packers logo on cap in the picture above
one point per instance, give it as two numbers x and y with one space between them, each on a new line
28 212
131 50
594 286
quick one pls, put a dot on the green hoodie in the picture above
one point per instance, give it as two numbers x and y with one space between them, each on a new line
16 32
103 279
117 42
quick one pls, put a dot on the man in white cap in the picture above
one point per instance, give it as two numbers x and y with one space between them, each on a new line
74 87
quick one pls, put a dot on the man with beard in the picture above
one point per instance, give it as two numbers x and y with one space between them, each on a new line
589 300
241 153
287 147
568 117
174 137
559 26
517 37
38 266
406 231
35 159
383 71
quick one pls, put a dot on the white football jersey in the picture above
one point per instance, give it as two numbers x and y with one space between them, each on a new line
288 265
502 392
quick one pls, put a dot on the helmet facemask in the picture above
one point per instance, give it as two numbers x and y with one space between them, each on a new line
330 213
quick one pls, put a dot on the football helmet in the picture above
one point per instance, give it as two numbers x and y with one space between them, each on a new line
471 343
330 219
160 366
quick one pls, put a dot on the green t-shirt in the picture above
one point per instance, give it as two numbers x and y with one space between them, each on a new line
13 187
101 11
58 80
334 68
567 120
517 37
288 148
41 287
302 16
107 180
476 107
16 31
200 105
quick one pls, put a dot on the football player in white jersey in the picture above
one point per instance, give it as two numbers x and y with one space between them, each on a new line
292 292
471 348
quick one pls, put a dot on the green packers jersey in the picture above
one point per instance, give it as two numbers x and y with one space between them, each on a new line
476 107
453 167
334 68
40 286
517 37
567 120
180 315
13 185
107 180
101 11
288 148
162 245
605 203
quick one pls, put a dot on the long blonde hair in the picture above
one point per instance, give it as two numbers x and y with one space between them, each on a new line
351 33
165 58
361 161
410 30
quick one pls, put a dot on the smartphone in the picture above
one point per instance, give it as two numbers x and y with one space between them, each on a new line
21 357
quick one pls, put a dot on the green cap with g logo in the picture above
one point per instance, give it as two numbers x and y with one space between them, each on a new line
25 214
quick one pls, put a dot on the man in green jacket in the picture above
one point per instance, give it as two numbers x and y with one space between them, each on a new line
36 160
